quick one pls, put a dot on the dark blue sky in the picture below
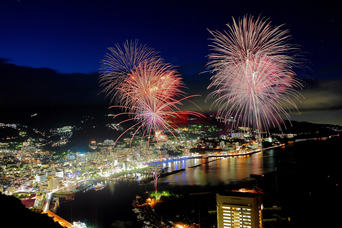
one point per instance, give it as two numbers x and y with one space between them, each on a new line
73 36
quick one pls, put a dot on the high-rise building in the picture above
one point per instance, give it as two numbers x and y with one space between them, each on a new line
53 184
241 208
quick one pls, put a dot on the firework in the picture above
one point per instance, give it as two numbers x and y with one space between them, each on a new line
253 72
144 86
152 81
119 63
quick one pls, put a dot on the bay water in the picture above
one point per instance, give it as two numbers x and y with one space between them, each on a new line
308 173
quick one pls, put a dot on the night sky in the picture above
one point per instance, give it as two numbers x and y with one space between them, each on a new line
51 50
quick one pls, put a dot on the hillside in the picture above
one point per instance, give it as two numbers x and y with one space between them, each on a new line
96 123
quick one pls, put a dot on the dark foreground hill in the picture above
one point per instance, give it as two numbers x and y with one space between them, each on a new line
14 214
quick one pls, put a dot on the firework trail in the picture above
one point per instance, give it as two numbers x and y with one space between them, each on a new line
253 77
152 115
155 177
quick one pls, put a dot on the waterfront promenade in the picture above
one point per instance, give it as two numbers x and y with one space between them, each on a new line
240 152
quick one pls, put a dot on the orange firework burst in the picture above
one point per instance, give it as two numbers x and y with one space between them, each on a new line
151 81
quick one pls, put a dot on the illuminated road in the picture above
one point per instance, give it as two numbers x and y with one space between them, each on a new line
48 200
58 219
55 217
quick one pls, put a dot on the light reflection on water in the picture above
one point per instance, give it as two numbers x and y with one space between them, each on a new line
218 170
100 209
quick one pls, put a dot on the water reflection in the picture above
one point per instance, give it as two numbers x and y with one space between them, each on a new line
102 208
111 187
216 171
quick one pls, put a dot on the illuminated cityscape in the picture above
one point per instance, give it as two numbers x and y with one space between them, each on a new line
193 114
34 174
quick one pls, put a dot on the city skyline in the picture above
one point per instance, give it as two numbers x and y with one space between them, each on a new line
71 38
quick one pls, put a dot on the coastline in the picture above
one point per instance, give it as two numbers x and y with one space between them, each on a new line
302 168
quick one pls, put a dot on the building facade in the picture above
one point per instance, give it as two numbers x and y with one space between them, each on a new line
241 208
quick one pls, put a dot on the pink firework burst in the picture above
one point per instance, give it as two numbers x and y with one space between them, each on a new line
253 76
